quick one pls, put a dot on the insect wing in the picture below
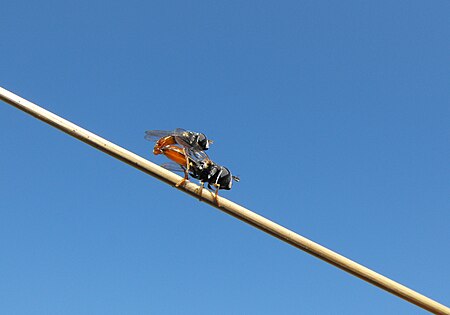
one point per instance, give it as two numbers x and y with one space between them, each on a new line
184 138
179 131
187 139
174 167
155 135
198 156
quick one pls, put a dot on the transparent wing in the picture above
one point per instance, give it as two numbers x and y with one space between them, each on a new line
174 167
197 156
183 137
155 135
179 131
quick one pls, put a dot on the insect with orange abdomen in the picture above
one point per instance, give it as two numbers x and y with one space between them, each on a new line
189 140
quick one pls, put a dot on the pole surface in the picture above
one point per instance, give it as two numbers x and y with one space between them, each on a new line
226 205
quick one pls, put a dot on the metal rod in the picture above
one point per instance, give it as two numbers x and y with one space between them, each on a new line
226 205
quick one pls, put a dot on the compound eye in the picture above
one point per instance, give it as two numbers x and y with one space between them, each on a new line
226 182
202 141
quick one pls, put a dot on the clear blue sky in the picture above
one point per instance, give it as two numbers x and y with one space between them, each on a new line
334 113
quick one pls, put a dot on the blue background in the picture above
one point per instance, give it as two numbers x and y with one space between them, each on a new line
334 113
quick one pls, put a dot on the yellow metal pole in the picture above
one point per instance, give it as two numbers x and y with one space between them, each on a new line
226 205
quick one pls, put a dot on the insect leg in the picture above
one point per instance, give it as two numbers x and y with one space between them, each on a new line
200 190
186 171
181 182
217 185
216 194
187 162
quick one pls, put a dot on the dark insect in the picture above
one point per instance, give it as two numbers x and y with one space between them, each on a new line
199 166
190 143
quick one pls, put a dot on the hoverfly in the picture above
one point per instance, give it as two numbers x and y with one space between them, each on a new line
191 143
189 140
199 166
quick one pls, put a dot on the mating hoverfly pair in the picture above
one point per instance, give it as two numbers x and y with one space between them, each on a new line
186 149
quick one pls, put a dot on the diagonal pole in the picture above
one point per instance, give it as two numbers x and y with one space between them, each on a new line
226 205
